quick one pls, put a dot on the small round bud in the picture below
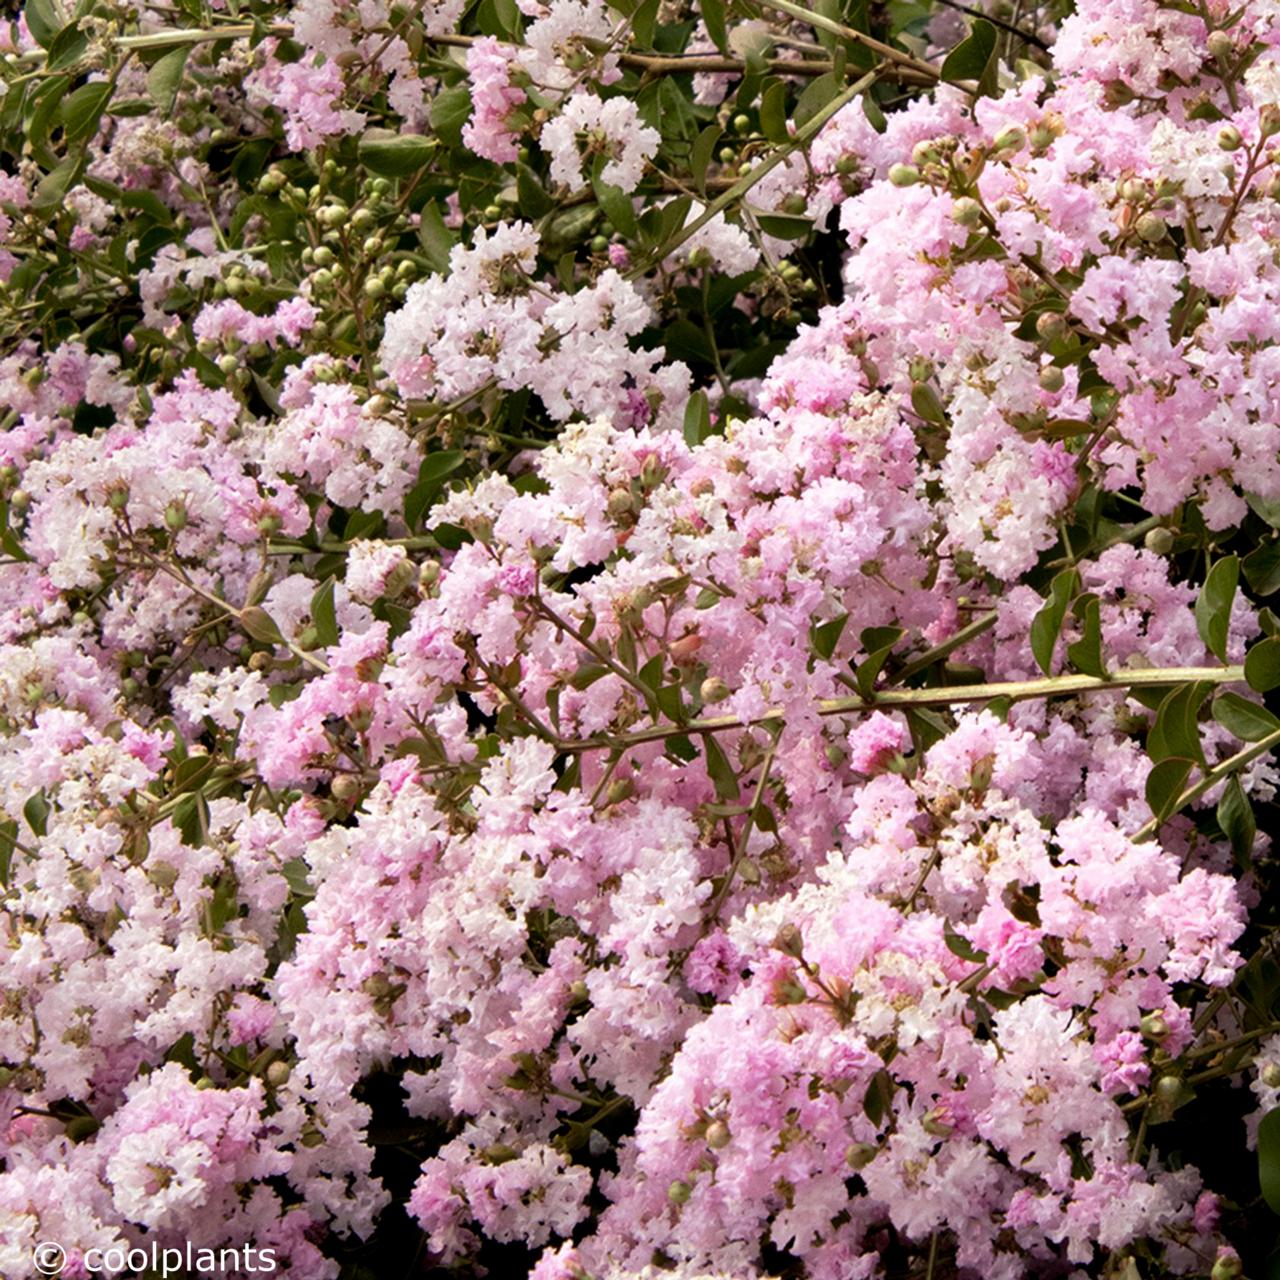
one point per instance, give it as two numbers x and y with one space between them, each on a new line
1271 1075
795 204
1134 190
847 165
323 256
713 690
860 1154
228 364
678 1192
1052 378
579 991
620 504
308 638
741 123
1269 120
1153 1026
967 211
1151 228
346 787
904 175
362 221
925 152
789 942
1229 138
118 497
1009 141
373 246
620 789
428 574
1051 325
599 244
920 368
1227 1265
374 288
1221 44
205 1083
175 516
1159 541
1168 1091
718 1135
278 1074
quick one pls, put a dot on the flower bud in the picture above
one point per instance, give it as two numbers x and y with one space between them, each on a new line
860 1154
1229 138
278 1074
1134 190
1151 228
175 516
1271 1075
346 787
1052 378
718 1135
1051 325
620 789
620 503
1159 541
1269 120
789 942
967 211
1153 1026
935 1125
1009 141
678 1192
1227 1265
1221 44
904 175
713 690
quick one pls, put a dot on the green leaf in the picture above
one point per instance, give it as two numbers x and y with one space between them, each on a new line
394 155
82 109
435 238
700 157
1267 508
644 21
697 419
36 812
1165 784
55 184
1269 1158
1235 817
1213 606
962 947
1246 720
773 112
1086 653
927 404
323 617
973 57
8 846
1262 665
719 770
1046 626
1176 731
164 78
450 110
713 18
879 643
258 625
784 226
67 48
616 205
826 635
819 93
1262 569
43 21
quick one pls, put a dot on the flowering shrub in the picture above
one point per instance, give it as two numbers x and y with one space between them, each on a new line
633 640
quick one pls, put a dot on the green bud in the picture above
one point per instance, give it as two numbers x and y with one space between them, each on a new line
373 246
718 1135
904 175
278 1074
1052 378
967 211
925 152
1271 1075
795 204
1220 44
860 1154
679 1192
1227 1265
323 256
1158 541
175 516
374 288
1229 138
847 165
346 786
1153 1026
1150 228
713 690
1009 141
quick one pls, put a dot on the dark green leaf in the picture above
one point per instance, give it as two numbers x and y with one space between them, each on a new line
1269 1158
972 57
165 77
697 419
643 22
784 225
826 635
815 97
616 205
1267 508
879 643
36 812
436 239
1235 817
68 47
719 770
1086 653
1046 626
1165 784
449 112
1262 569
323 617
82 109
394 155
1176 731
713 18
55 184
1246 720
700 157
258 625
8 846
962 947
43 21
1213 605
773 112
1262 665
